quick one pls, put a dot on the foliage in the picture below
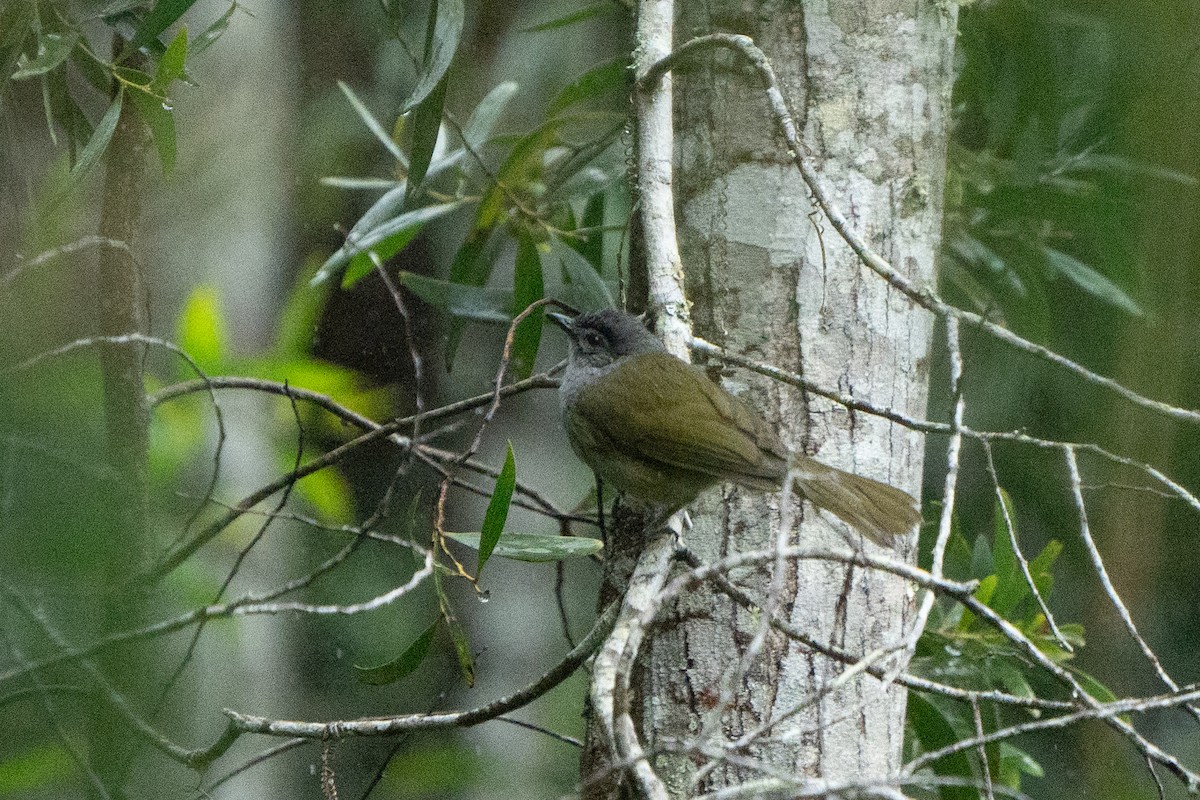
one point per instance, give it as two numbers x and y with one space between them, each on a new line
957 648
548 192
1036 193
1037 199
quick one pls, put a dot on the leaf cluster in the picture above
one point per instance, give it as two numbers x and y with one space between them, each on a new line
47 43
548 198
959 649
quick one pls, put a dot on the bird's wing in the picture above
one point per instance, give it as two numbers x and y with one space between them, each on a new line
673 414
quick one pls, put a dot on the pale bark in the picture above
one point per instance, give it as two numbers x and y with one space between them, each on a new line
869 85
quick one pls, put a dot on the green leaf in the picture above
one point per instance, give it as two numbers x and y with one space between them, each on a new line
1090 280
161 17
201 330
587 12
592 248
1014 762
472 266
214 31
983 593
479 303
370 184
1133 168
16 27
66 112
462 648
981 557
52 50
35 770
426 124
447 28
1095 688
403 664
520 170
160 120
1041 565
99 141
390 238
528 287
1009 676
1011 587
535 548
934 730
172 62
373 124
585 289
483 119
327 491
386 237
606 77
497 510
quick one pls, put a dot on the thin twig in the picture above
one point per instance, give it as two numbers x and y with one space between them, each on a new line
1085 533
922 296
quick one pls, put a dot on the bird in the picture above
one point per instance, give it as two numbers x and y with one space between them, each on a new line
658 430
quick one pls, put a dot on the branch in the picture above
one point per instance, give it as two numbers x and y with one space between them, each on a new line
922 296
386 726
653 110
1085 532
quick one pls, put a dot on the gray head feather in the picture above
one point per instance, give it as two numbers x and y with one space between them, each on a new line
600 337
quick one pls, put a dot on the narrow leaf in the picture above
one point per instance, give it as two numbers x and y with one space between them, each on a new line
1011 587
592 248
585 289
371 232
528 287
161 17
52 50
402 664
479 303
483 119
1091 281
462 648
214 31
446 32
522 167
606 77
587 12
497 510
1017 759
1045 560
160 120
99 141
373 125
472 266
172 62
372 184
426 125
934 728
534 547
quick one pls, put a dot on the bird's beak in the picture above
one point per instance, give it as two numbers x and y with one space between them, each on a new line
562 321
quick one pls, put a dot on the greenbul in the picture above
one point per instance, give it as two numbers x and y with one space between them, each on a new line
659 430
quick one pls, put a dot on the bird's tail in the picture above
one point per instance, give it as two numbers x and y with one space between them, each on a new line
883 513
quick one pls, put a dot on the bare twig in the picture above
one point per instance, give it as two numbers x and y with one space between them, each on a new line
386 726
922 296
1016 546
1085 533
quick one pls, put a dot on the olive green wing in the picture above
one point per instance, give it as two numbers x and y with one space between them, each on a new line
666 411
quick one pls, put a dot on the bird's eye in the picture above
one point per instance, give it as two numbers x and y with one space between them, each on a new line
593 339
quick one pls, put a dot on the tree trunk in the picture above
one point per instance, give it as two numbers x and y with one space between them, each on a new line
869 86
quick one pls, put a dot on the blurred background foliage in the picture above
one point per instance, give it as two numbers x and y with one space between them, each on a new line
1071 218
